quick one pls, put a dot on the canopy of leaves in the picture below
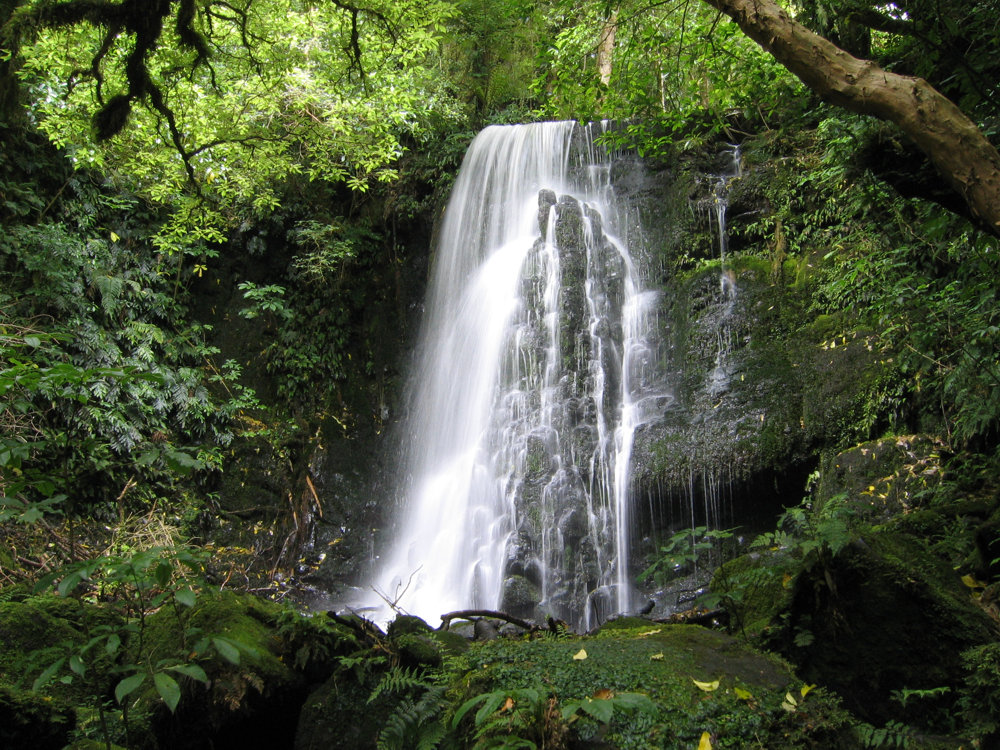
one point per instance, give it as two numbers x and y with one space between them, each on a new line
236 97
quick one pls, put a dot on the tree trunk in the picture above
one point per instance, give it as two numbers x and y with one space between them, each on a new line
606 47
966 160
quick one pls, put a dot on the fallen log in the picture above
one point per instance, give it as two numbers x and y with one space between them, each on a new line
468 614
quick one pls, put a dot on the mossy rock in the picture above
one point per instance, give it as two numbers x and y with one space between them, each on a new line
37 631
338 716
754 589
451 643
625 623
252 703
407 625
883 478
418 650
664 662
29 720
883 615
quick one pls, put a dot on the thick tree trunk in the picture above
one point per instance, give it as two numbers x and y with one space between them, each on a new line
962 154
606 47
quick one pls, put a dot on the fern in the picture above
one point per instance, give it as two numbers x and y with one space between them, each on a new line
892 735
398 726
420 724
400 680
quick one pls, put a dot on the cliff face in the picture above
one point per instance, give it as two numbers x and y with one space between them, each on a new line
753 383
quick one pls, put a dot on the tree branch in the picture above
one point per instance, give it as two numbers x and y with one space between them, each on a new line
962 154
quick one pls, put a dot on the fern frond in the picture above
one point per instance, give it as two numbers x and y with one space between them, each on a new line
400 680
398 726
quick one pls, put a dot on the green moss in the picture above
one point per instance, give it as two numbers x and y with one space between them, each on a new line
754 589
28 720
623 623
407 625
663 662
417 650
255 698
37 631
884 615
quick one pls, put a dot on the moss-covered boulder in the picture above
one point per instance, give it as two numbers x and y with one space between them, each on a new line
884 478
28 720
260 659
883 616
39 631
698 681
339 716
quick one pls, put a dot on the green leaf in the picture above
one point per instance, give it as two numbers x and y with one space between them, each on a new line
168 689
600 709
493 702
466 707
185 597
226 649
47 674
635 702
191 670
129 685
76 665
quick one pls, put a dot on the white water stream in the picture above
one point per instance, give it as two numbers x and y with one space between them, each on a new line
533 374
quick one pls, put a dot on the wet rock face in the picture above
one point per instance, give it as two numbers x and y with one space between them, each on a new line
554 564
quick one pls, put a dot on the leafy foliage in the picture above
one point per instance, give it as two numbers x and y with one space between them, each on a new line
234 99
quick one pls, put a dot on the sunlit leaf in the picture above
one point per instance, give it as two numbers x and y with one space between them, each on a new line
657 657
600 710
705 743
580 655
743 695
708 687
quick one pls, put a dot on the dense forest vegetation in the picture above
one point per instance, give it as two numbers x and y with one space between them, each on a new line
217 223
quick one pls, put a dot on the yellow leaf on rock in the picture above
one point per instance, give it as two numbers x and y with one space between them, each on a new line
708 687
580 655
649 632
706 741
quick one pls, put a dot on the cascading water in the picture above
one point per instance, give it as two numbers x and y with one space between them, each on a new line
534 372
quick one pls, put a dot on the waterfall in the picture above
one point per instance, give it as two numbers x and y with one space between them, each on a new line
533 372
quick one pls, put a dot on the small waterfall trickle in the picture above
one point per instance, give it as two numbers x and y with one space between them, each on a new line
534 372
727 279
